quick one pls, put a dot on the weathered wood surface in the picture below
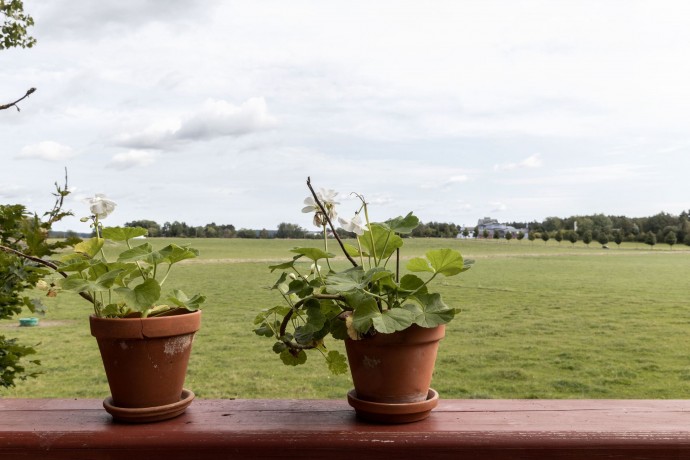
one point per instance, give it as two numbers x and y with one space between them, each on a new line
308 429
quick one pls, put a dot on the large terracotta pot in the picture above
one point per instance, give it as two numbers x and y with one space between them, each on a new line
146 359
394 369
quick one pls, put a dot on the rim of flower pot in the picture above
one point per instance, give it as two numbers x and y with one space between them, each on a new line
141 328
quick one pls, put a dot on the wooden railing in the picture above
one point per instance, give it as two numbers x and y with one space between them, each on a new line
307 429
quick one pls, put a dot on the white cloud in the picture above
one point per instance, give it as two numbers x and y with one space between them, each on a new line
131 159
533 161
220 118
497 206
216 118
48 151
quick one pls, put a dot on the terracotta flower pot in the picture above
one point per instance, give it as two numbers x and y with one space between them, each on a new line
146 359
394 371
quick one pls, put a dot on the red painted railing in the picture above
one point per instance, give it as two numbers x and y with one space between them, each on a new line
308 429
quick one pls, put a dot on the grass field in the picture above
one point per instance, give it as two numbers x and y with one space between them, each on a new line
538 321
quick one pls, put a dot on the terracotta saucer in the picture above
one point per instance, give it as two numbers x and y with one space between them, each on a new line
393 413
149 414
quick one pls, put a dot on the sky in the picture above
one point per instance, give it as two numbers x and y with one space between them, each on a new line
218 111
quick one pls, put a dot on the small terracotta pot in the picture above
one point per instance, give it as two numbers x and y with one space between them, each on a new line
394 368
145 359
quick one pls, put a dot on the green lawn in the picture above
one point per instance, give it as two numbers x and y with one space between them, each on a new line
538 321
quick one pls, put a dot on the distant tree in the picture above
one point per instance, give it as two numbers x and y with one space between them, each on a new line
572 236
485 234
552 224
559 236
520 235
671 239
509 236
476 232
286 230
263 234
465 232
603 238
650 239
686 240
246 233
618 237
545 236
587 237
531 236
496 235
153 228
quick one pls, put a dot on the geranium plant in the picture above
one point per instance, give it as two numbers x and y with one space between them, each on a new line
368 297
129 285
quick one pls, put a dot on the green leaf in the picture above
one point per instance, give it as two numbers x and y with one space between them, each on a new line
74 263
76 283
143 252
300 287
447 262
313 253
364 313
393 320
430 311
347 280
267 331
384 243
89 247
123 233
174 253
279 347
142 296
313 328
412 283
403 225
289 359
180 299
337 362
351 250
419 264
284 265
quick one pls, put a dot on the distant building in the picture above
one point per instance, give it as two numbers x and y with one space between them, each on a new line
493 227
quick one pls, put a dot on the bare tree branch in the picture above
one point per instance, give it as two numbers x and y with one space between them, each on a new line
14 104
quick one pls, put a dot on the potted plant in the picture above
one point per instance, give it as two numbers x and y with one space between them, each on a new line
391 325
145 339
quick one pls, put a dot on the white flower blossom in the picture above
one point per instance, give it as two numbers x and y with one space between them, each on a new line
41 285
100 206
355 225
327 199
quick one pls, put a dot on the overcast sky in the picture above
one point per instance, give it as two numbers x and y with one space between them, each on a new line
456 110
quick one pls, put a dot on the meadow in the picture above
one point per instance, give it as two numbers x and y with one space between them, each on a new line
538 320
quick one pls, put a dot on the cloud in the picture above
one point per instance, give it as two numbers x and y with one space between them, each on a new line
131 159
216 118
221 118
497 206
47 151
533 161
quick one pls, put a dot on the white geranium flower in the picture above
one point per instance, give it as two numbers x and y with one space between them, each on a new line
101 206
327 199
355 225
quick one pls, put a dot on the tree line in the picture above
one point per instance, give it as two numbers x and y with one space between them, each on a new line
662 228
659 228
